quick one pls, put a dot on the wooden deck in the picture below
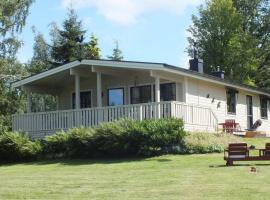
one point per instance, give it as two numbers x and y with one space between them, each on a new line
44 123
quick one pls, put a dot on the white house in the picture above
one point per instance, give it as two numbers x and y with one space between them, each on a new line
90 92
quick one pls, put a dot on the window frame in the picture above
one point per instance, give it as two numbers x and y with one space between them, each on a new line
265 109
140 86
170 83
235 92
73 104
117 88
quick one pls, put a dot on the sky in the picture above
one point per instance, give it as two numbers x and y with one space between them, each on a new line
146 30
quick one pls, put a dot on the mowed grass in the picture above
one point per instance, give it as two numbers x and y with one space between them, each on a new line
165 177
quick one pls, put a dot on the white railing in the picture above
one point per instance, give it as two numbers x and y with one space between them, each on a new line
50 122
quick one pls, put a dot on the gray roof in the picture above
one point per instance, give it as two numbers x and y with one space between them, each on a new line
147 65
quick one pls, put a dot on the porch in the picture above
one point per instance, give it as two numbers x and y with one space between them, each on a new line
38 125
91 92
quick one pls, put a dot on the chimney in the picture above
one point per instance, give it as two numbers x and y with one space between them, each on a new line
196 65
219 73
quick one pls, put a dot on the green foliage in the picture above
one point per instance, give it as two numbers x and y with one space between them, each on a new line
75 143
12 19
18 147
207 142
11 101
41 60
91 49
13 15
221 41
116 139
124 138
66 46
117 53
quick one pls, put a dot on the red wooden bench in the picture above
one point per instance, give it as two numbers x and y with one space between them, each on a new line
240 152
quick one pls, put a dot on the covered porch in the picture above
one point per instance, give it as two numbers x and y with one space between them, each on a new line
91 92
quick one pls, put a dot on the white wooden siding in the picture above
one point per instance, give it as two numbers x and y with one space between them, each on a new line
197 92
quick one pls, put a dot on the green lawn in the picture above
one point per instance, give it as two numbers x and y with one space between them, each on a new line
165 177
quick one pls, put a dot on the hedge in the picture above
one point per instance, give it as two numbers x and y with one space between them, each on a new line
18 147
117 139
124 138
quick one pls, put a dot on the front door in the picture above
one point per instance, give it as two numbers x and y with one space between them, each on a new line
249 111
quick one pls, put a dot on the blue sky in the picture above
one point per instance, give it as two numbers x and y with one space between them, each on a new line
147 30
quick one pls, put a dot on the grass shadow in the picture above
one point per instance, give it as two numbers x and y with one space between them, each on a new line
77 162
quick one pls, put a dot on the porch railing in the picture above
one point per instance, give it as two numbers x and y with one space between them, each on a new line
49 122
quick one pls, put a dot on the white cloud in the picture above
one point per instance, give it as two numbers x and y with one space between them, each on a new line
87 22
126 12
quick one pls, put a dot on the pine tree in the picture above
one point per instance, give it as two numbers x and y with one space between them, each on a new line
91 49
67 43
117 53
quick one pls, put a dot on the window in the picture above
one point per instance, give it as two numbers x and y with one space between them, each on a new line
167 92
116 96
85 99
141 94
264 109
231 101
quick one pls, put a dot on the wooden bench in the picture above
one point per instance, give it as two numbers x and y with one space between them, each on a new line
240 152
265 152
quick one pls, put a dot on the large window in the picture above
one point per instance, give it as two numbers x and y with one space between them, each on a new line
116 96
264 106
231 101
140 94
167 92
85 99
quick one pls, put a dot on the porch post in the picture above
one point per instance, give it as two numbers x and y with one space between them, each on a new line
157 89
77 92
99 90
157 95
29 102
185 89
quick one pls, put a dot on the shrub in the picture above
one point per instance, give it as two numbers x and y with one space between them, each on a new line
199 142
163 135
117 139
75 142
18 147
147 138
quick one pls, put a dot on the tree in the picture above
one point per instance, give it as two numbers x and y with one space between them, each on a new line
66 43
41 60
117 53
221 41
92 51
12 20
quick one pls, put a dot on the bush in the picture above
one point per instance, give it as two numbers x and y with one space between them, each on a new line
18 147
163 136
75 142
207 142
147 138
117 139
